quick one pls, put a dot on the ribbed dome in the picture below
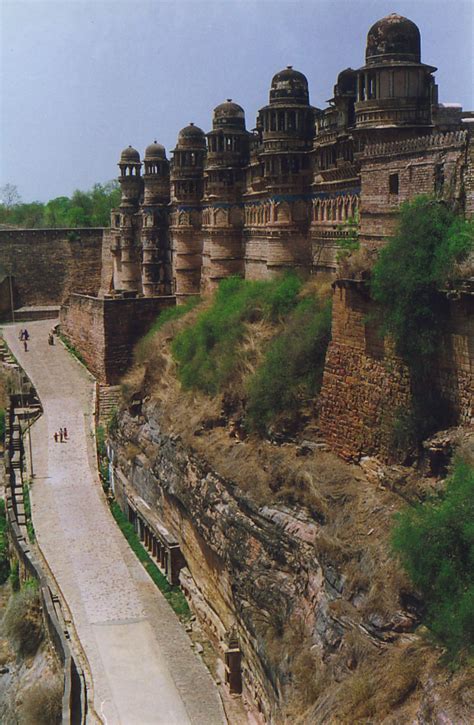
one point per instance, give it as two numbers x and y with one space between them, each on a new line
229 114
191 136
289 85
155 151
393 38
130 155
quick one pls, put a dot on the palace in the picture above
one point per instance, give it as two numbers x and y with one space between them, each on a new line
282 196
253 203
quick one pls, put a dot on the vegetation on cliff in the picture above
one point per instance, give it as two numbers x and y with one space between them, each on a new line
435 541
422 257
83 209
216 350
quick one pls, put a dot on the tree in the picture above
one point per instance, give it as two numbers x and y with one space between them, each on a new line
9 196
435 543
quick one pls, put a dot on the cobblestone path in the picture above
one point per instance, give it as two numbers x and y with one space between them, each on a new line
141 661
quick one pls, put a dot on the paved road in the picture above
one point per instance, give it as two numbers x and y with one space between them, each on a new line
143 668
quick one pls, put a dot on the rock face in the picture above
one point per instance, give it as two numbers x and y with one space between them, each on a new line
308 611
261 580
245 567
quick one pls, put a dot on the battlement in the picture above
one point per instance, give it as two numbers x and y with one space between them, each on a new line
418 143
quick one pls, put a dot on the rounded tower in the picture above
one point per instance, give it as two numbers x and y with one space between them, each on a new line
224 183
287 128
131 184
187 187
156 253
394 88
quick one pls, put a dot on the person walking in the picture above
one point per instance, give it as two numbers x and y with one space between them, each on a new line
60 435
20 336
55 437
26 334
65 433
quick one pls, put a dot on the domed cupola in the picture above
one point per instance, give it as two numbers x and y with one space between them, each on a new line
229 115
187 165
393 38
130 178
129 155
394 89
289 86
154 151
191 136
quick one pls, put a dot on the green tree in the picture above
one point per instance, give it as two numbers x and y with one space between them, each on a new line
406 282
435 543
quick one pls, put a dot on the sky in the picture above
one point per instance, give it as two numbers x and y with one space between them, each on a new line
79 81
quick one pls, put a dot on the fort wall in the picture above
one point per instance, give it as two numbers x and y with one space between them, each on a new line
48 264
106 330
366 387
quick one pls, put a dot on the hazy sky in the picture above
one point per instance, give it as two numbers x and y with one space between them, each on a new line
79 81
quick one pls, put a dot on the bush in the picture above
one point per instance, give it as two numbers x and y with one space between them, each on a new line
143 350
23 622
435 542
42 703
417 261
206 352
406 282
4 558
293 366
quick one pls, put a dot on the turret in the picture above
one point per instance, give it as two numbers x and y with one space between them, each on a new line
156 275
394 89
187 188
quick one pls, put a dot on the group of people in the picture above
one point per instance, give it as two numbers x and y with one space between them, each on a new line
61 436
24 337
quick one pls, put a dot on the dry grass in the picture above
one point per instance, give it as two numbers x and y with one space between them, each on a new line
23 623
42 703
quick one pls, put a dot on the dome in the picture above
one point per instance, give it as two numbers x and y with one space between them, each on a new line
229 114
129 155
289 85
393 38
155 151
191 136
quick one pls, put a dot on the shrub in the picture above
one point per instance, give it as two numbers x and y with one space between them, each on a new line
142 352
22 622
42 703
410 271
100 441
435 542
416 262
206 352
4 558
293 366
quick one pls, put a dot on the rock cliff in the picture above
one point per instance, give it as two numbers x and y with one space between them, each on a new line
286 563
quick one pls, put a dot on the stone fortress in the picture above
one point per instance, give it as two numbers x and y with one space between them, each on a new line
282 196
253 203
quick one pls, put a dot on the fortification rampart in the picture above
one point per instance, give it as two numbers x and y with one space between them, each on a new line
366 387
48 264
105 330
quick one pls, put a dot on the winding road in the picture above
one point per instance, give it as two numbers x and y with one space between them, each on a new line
141 661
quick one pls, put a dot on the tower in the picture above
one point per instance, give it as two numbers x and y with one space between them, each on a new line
286 127
394 88
156 251
224 181
187 187
131 184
